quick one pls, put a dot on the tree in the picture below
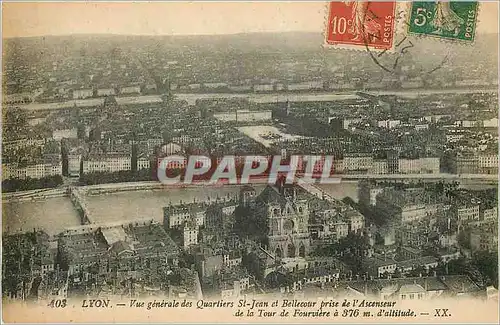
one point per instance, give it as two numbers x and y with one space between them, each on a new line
418 271
464 267
464 239
487 264
134 157
15 121
14 184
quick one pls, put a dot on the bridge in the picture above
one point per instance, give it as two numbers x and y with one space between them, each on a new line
78 200
488 178
316 191
485 179
39 194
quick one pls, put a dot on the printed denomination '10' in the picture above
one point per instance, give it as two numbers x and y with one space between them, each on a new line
340 25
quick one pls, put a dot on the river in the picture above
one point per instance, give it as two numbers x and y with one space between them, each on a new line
149 203
257 98
55 214
340 191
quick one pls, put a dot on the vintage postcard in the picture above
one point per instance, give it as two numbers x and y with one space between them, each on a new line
250 162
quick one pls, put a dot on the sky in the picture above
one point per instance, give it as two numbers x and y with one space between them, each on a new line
177 18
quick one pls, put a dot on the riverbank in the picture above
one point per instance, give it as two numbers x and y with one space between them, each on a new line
262 98
99 189
109 188
113 203
39 194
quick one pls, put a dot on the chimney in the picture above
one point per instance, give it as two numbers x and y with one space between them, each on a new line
426 287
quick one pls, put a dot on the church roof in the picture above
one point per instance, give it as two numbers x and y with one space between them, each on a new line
271 194
121 246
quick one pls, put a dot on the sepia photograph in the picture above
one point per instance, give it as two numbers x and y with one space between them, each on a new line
250 162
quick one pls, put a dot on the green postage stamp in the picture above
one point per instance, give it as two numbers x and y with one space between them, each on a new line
449 20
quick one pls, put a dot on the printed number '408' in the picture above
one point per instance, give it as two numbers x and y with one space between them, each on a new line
57 303
339 26
421 17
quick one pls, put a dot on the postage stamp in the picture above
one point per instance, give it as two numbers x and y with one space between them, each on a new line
361 24
448 20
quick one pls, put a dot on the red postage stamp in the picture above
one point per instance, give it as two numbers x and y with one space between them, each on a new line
361 24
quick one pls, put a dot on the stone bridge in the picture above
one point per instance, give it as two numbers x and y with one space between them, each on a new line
479 178
78 200
316 191
39 194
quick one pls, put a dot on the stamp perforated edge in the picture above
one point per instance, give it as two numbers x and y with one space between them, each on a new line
437 38
401 18
400 13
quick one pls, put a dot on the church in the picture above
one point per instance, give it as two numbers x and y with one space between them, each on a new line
284 209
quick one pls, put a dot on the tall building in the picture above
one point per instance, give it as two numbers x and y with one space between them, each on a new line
392 162
286 214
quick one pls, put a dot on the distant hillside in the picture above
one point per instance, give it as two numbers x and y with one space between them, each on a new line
242 42
289 41
484 51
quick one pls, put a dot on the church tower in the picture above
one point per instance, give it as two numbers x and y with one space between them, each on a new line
288 218
247 195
